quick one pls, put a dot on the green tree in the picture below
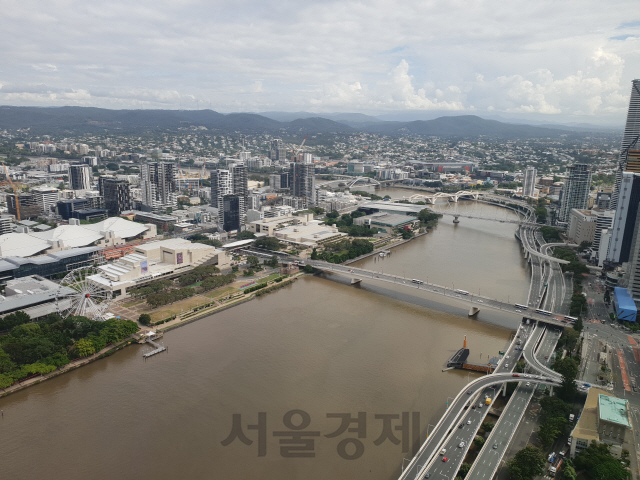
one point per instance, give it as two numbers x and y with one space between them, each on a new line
478 441
84 347
464 469
245 235
112 166
487 426
527 464
578 326
597 463
253 261
568 472
268 243
550 430
273 262
144 319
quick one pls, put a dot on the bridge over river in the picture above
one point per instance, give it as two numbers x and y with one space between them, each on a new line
475 302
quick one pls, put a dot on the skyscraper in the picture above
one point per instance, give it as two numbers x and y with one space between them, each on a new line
116 193
302 178
625 218
575 192
529 183
158 184
277 151
630 139
80 177
230 182
232 214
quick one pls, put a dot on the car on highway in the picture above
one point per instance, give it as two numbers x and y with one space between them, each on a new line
427 475
461 425
516 375
528 384
443 451
546 357
480 301
473 408
461 445
445 459
468 422
495 446
479 405
469 392
518 311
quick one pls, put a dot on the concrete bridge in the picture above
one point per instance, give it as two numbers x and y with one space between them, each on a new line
474 302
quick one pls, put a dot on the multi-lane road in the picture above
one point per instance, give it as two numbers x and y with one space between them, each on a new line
469 299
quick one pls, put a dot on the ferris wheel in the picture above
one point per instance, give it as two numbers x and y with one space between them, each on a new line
88 299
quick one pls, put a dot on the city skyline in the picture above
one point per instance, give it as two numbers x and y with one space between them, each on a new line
539 62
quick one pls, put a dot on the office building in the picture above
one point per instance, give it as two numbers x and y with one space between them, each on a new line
529 184
604 221
116 193
625 218
302 180
80 177
232 206
46 198
5 224
239 185
158 184
575 191
582 226
91 161
277 151
629 139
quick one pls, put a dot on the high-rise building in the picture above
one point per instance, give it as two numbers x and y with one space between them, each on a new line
302 181
575 192
116 193
604 221
232 212
633 161
80 177
46 198
279 181
158 185
630 138
624 222
529 184
233 181
277 151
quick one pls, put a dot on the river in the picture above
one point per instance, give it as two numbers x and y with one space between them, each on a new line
319 346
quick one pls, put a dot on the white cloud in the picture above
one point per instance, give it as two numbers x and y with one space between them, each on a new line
325 55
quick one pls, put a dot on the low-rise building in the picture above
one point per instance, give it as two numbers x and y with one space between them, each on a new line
387 222
35 296
604 419
157 260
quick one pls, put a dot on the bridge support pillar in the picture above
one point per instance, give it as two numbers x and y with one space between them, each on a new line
473 311
355 281
504 390
455 219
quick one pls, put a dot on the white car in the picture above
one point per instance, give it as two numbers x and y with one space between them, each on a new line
518 311
480 301
461 445
468 422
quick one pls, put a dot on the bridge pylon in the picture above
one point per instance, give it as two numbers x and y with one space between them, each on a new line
456 219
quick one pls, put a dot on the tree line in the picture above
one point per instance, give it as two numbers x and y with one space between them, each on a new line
37 348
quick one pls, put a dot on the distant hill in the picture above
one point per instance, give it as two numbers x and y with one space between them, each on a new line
87 120
462 126
60 120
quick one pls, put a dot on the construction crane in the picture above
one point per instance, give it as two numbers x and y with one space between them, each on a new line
300 147
15 192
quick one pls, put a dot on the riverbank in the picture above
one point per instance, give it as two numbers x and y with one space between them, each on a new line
74 364
179 321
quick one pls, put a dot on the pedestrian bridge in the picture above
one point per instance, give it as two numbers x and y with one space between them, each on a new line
452 197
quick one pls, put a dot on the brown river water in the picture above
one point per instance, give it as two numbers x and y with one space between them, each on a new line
291 365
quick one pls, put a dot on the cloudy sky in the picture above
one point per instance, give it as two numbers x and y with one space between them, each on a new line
540 60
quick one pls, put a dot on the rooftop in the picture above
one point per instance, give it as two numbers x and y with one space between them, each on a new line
614 410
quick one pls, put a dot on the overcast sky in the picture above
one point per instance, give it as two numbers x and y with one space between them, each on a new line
544 60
